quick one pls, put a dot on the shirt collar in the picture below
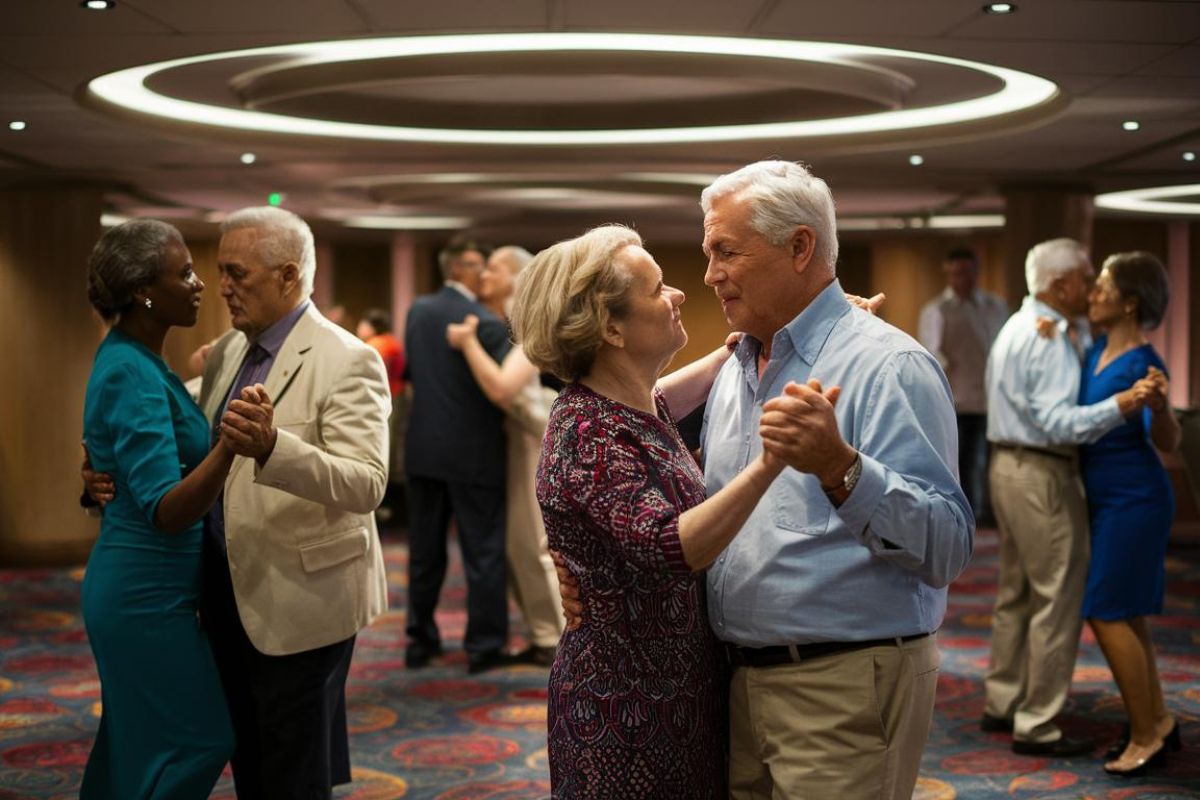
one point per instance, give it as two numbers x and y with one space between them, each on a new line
461 289
807 332
273 337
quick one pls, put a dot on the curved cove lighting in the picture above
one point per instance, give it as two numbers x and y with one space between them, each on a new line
1019 91
1153 200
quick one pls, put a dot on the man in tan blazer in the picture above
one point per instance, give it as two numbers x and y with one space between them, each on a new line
293 567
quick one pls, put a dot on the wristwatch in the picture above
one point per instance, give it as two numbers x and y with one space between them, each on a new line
840 492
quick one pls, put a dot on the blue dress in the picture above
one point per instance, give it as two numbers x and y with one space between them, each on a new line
165 729
1130 502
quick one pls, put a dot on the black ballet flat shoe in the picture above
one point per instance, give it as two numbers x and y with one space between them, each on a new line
1142 765
990 724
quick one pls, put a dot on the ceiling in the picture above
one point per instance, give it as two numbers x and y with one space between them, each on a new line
1113 60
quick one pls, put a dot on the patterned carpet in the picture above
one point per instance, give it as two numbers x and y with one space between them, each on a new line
438 734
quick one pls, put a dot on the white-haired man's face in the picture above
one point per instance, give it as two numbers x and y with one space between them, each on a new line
1072 288
755 280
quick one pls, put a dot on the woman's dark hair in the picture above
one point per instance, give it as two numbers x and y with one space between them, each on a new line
1143 277
126 259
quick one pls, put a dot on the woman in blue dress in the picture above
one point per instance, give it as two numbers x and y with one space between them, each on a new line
1129 501
164 729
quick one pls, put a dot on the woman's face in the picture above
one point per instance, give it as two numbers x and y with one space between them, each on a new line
1105 304
496 280
652 329
175 294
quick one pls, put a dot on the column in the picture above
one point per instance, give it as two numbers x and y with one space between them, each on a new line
49 335
1033 214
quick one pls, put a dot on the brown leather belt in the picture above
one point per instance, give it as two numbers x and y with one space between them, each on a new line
1041 451
795 653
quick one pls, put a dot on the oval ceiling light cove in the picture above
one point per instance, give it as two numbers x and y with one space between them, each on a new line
1154 200
1021 96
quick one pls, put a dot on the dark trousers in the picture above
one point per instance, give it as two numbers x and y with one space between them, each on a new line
478 512
289 712
973 465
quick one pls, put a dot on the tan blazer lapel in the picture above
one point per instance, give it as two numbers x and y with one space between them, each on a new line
291 357
219 374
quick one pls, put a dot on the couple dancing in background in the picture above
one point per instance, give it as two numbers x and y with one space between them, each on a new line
1116 408
286 566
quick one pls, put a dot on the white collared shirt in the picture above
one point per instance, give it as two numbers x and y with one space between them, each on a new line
1033 385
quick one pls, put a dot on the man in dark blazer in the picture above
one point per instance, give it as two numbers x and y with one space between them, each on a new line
455 461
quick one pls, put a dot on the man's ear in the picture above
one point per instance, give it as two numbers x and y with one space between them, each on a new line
804 245
289 276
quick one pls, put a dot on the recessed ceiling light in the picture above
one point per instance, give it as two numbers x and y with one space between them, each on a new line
1000 8
1189 156
1131 125
248 158
916 160
1154 200
1018 92
98 5
17 125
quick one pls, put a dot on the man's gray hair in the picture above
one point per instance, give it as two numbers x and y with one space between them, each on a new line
1050 260
285 237
783 196
517 257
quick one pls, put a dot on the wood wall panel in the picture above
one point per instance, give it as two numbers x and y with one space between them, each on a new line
48 336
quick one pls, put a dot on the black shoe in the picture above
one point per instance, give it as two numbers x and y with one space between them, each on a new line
1141 765
1173 742
537 655
489 659
1119 745
990 724
1063 747
418 654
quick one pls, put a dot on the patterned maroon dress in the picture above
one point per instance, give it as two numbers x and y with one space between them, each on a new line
637 692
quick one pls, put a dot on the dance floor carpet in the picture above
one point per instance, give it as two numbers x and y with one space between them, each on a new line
437 733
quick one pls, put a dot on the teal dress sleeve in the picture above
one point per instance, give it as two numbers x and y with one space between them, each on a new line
142 433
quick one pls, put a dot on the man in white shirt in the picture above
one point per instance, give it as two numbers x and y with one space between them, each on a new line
1034 423
958 327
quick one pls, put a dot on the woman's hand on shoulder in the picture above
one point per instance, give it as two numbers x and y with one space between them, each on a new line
457 333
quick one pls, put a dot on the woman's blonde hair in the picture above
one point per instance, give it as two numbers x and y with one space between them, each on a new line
566 297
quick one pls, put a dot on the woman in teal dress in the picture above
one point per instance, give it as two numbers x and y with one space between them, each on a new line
1129 501
165 729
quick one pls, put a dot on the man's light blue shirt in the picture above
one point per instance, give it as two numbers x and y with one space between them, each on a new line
801 570
1033 385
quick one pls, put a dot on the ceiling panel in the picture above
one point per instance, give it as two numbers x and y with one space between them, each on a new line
675 16
67 18
397 17
332 17
1111 21
1184 61
859 18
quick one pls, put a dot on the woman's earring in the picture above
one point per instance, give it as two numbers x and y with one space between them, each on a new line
148 303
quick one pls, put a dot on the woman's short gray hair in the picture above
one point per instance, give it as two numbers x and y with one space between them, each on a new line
1050 260
285 238
566 297
125 259
783 196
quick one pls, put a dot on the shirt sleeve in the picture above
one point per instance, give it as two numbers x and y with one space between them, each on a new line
609 487
908 508
929 331
1052 396
138 412
493 335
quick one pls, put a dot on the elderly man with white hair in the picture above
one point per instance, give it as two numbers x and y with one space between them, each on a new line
1034 424
829 598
